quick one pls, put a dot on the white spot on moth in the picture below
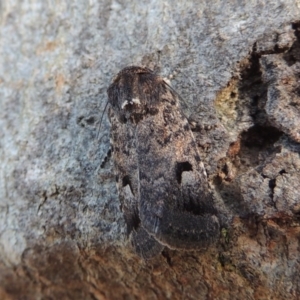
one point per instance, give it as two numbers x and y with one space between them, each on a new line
124 104
203 169
132 101
167 81
136 101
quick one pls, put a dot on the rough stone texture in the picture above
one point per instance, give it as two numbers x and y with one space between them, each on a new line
235 64
283 99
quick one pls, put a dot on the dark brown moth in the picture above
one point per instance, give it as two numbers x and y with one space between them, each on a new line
161 180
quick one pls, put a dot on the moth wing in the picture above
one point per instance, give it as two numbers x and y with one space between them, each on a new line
175 205
145 245
126 165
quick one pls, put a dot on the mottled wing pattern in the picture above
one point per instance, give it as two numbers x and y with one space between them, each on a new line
161 180
127 177
175 202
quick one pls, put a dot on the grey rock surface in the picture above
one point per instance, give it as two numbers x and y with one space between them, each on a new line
235 64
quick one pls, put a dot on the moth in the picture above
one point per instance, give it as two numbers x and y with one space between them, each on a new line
162 183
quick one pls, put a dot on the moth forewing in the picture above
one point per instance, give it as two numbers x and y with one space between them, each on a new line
160 177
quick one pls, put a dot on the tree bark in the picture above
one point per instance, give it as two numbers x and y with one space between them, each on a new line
236 64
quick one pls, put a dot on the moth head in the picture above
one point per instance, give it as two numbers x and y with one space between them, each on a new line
134 91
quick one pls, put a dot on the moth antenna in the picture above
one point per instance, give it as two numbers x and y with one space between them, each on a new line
177 94
101 120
